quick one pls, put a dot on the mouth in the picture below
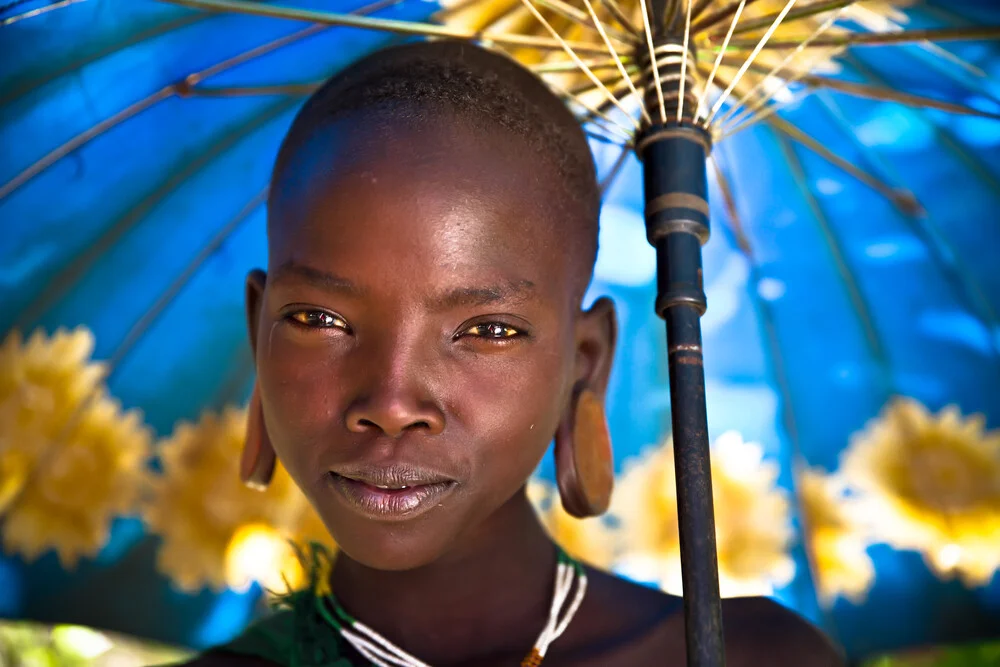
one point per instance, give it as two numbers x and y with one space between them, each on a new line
391 493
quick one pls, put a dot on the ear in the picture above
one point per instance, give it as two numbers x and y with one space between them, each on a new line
258 458
254 301
596 336
584 462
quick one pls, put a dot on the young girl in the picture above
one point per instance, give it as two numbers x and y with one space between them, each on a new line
420 342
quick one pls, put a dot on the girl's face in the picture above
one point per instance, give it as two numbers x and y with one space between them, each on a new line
418 336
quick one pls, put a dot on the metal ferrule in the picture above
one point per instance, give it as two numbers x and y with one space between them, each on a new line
676 210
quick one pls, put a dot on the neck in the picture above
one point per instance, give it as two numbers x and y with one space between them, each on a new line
489 597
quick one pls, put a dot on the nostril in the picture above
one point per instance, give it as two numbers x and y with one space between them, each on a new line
367 423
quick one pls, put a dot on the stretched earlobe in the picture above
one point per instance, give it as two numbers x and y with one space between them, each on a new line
258 459
584 462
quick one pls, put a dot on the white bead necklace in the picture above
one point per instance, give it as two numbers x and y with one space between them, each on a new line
381 652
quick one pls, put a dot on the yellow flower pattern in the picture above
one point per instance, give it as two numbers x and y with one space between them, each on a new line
588 540
836 539
207 519
753 524
70 458
932 484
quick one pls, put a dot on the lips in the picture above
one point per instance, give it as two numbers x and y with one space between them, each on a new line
390 493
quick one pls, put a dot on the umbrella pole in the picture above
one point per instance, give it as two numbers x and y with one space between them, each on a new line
674 179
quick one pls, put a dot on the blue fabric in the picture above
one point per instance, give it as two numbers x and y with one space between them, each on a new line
847 301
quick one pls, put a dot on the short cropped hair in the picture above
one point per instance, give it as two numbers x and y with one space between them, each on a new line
488 90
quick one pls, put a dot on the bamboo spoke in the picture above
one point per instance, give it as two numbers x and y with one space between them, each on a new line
180 88
902 200
150 317
883 94
826 25
580 18
718 60
732 213
883 39
572 54
717 17
652 61
615 56
38 11
594 113
293 89
699 8
563 66
684 65
616 168
749 60
805 11
619 14
395 26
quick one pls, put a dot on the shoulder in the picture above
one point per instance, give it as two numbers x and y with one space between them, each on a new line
626 624
225 659
762 631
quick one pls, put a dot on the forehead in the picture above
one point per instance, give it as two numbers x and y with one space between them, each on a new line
411 197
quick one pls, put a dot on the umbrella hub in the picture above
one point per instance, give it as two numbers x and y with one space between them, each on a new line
669 80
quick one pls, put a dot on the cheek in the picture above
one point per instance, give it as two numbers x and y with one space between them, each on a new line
511 407
299 389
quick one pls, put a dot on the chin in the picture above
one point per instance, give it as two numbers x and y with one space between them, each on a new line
392 547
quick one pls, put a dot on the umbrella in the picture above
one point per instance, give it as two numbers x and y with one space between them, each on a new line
152 130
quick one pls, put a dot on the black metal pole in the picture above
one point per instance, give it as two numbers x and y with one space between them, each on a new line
673 156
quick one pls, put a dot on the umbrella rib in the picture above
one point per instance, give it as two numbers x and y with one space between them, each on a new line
861 306
293 89
611 124
823 27
749 61
84 137
652 61
938 247
38 11
69 273
772 348
580 18
699 8
972 33
616 57
612 174
934 240
903 200
617 12
144 323
684 65
179 88
717 16
885 94
11 94
385 25
570 66
748 121
572 54
718 61
802 12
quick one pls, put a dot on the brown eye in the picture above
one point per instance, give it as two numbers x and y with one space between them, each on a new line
318 319
494 331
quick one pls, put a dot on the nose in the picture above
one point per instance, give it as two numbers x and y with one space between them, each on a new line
395 400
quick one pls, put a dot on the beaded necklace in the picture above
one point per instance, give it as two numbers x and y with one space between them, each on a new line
381 652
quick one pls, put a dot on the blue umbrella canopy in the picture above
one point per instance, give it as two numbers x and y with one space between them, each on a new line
851 263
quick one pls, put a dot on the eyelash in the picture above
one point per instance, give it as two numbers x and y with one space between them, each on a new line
509 333
319 319
301 318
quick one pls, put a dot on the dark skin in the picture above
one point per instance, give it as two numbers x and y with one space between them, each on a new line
422 306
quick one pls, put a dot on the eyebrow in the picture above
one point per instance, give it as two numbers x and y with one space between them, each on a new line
513 291
325 280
